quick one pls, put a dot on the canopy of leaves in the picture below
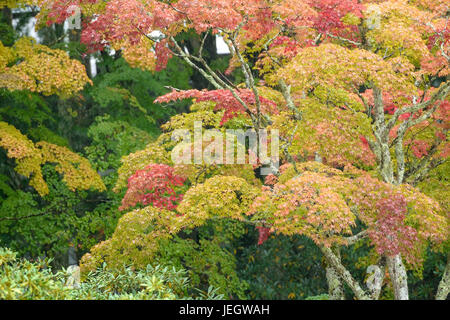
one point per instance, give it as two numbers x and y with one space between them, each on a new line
77 171
22 68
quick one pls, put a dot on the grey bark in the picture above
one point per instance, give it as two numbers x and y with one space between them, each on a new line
335 287
444 285
334 261
399 277
335 284
375 280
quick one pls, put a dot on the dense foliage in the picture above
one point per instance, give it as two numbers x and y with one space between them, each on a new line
355 205
25 280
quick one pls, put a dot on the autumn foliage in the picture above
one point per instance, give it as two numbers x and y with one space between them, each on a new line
358 91
76 171
155 185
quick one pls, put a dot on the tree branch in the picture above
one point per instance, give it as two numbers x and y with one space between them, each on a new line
333 260
441 94
353 239
444 284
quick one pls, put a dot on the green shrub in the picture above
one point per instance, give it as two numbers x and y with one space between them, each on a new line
21 279
25 280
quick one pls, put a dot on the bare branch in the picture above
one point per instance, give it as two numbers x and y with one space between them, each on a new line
333 260
353 239
286 91
187 57
344 39
441 94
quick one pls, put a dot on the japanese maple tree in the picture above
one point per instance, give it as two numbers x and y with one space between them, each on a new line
361 86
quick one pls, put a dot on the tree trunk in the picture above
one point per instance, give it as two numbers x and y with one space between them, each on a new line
335 284
375 280
399 277
335 287
444 285
334 261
